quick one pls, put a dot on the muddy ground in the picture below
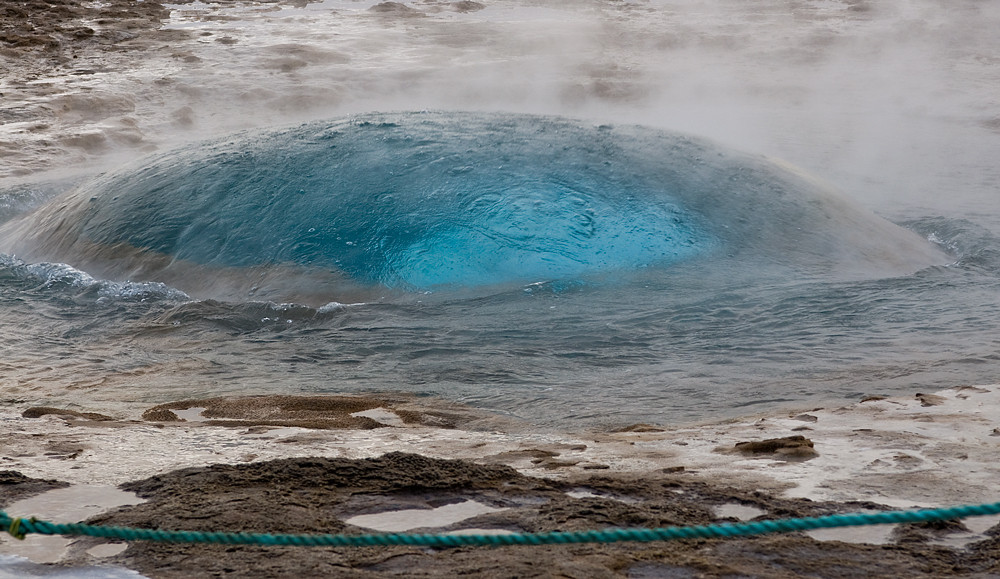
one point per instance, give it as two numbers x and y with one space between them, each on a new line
38 37
571 491
48 46
57 25
41 40
316 495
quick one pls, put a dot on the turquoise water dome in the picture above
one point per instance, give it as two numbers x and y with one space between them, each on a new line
437 201
503 230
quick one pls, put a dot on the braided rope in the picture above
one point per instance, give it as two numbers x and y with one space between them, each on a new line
19 527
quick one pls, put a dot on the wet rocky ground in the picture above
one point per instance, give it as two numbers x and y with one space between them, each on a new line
317 495
58 25
59 62
49 45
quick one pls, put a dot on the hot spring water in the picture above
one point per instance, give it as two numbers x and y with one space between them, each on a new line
439 201
561 271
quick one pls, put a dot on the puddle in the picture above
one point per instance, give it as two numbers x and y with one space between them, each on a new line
957 540
107 550
882 534
868 535
406 519
976 525
980 525
191 414
737 511
13 567
67 505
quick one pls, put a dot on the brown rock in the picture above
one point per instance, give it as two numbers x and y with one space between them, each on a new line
39 411
789 446
640 427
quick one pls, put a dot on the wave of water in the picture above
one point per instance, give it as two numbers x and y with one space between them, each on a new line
436 201
64 278
752 314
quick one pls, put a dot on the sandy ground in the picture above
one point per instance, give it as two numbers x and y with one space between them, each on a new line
324 464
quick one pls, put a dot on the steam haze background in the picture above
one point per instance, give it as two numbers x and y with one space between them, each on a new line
894 102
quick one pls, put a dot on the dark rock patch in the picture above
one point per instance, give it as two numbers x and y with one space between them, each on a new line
316 495
789 446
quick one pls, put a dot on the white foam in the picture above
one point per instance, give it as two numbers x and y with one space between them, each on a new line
336 306
57 275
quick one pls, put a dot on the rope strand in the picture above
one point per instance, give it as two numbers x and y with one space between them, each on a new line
19 527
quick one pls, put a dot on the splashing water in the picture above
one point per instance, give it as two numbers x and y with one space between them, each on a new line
560 271
431 201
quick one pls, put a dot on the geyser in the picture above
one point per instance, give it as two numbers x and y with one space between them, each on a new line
431 201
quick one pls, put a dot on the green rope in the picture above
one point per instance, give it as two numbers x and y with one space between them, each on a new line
19 527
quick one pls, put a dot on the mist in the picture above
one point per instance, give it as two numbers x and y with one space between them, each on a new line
893 103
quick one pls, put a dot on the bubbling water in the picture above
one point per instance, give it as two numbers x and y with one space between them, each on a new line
539 231
432 201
